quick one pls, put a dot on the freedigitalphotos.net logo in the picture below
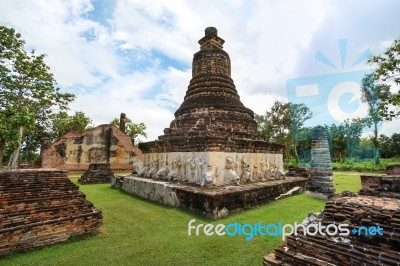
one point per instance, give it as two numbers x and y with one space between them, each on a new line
249 231
332 97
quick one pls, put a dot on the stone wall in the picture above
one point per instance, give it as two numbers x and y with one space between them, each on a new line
222 168
41 207
102 144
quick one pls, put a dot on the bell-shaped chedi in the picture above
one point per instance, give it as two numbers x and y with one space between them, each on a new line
321 177
211 117
213 136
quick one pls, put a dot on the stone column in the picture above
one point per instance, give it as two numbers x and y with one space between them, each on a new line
321 178
122 120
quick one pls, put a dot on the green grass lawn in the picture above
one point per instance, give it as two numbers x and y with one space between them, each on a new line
139 232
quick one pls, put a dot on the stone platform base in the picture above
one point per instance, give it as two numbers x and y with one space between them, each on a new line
216 202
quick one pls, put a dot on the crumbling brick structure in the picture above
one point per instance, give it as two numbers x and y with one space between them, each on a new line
77 150
321 176
41 207
377 204
96 174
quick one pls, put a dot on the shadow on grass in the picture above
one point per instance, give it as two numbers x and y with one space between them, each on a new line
71 240
194 214
200 215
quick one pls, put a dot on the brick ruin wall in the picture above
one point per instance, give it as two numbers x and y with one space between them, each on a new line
77 150
376 204
97 173
40 207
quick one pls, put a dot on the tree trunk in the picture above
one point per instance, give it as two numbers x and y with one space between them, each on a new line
376 150
28 149
13 162
296 156
2 150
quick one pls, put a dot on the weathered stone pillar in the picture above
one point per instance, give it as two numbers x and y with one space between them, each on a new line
122 122
321 178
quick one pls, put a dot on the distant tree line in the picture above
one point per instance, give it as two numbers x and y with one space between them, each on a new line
284 122
32 107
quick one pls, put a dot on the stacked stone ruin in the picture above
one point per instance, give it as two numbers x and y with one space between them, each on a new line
97 173
211 158
213 138
211 117
41 207
321 177
377 204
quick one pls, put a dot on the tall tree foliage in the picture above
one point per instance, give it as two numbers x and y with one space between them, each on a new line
27 91
62 123
389 146
283 124
299 113
352 129
388 71
337 141
133 130
374 94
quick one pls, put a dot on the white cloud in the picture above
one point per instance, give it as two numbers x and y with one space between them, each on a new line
128 64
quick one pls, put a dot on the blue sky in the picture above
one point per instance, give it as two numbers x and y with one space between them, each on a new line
135 56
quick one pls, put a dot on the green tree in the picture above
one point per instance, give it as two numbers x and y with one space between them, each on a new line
133 130
264 126
299 114
304 139
283 125
62 123
389 146
388 71
27 90
353 130
374 95
275 127
337 141
385 146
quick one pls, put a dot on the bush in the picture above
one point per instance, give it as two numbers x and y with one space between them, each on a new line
365 166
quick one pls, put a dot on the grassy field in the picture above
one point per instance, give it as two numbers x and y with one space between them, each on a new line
139 232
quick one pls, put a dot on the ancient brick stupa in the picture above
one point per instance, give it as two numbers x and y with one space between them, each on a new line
211 158
213 138
321 177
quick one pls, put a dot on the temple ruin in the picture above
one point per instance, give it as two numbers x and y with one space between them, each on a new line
41 207
212 143
376 206
77 150
321 176
97 173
